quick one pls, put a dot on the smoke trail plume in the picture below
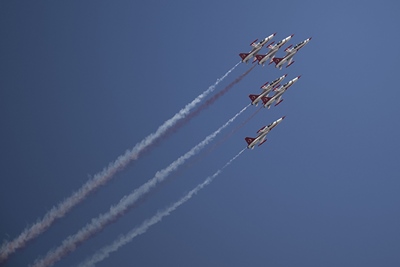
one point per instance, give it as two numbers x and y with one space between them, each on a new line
97 224
210 101
123 240
240 126
202 107
224 138
100 178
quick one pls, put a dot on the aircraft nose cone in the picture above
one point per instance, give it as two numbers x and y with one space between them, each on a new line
283 117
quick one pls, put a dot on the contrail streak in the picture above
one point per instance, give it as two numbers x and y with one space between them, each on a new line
100 178
220 142
210 101
239 127
105 251
97 224
202 107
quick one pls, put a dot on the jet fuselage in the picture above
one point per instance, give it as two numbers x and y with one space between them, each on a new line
290 54
266 89
279 92
256 48
273 50
262 133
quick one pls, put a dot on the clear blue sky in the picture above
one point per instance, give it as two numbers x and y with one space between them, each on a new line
82 81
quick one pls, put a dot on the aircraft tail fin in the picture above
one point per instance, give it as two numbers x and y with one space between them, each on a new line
265 99
243 55
260 57
253 97
276 60
249 140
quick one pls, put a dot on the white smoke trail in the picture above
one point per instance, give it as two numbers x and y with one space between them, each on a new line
123 240
99 179
97 224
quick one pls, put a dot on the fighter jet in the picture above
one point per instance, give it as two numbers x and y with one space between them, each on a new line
273 49
256 48
277 97
262 133
266 89
290 52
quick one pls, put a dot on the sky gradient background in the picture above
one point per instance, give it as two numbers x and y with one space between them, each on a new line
81 82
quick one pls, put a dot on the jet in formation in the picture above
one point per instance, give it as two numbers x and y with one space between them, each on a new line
262 134
267 88
256 48
290 52
273 49
277 97
274 86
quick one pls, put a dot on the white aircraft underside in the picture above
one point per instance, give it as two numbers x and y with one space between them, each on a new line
262 134
290 52
273 50
277 97
267 88
256 48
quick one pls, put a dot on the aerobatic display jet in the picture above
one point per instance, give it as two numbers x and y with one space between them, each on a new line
256 48
290 52
273 49
262 133
277 97
267 87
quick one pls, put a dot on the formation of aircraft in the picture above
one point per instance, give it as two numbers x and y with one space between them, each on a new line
273 49
256 48
274 86
277 97
267 88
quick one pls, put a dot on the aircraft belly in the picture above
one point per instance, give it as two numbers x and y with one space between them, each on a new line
263 60
270 101
248 57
